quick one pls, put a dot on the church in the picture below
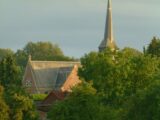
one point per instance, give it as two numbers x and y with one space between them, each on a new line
47 76
56 78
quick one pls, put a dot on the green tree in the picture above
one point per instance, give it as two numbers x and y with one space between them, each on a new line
120 77
5 53
9 72
40 51
124 86
81 104
21 107
43 50
20 104
145 105
154 47
4 109
21 58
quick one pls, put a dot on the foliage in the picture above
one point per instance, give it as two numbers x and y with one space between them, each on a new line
40 51
124 86
130 52
21 58
21 106
9 72
154 47
38 96
17 104
4 109
145 105
82 104
5 52
121 85
118 75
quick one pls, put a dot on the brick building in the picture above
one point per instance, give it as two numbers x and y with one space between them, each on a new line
46 76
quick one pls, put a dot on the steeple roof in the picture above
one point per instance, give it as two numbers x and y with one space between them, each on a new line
108 41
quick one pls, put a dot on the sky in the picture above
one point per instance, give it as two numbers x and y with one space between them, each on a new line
77 26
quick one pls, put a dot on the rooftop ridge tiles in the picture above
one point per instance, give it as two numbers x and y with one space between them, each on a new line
57 61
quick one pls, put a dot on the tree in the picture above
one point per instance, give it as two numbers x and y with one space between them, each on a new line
43 50
124 87
154 47
130 52
21 58
5 53
81 104
4 109
20 104
40 51
120 77
21 107
145 105
9 72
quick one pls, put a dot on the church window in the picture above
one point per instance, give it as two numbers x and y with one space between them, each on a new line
28 83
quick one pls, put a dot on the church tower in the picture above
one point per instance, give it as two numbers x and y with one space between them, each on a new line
108 41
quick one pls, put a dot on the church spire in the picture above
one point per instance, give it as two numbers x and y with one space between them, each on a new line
108 41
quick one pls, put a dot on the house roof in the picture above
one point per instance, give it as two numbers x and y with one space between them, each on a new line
62 76
51 99
53 96
50 74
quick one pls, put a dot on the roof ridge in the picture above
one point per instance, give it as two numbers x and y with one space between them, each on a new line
57 61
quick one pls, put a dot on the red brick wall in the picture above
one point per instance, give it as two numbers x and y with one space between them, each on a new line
72 80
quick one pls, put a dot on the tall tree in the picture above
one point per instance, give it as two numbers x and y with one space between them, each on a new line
9 72
4 109
154 47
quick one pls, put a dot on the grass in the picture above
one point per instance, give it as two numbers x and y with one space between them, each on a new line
39 97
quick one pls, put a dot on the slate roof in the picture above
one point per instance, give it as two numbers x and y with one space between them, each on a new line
62 75
50 74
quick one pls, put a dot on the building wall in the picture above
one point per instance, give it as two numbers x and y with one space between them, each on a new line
28 82
72 80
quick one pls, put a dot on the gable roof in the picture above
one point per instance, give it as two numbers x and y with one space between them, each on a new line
53 96
51 99
50 74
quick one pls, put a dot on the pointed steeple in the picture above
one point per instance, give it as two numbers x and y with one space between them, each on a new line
108 41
